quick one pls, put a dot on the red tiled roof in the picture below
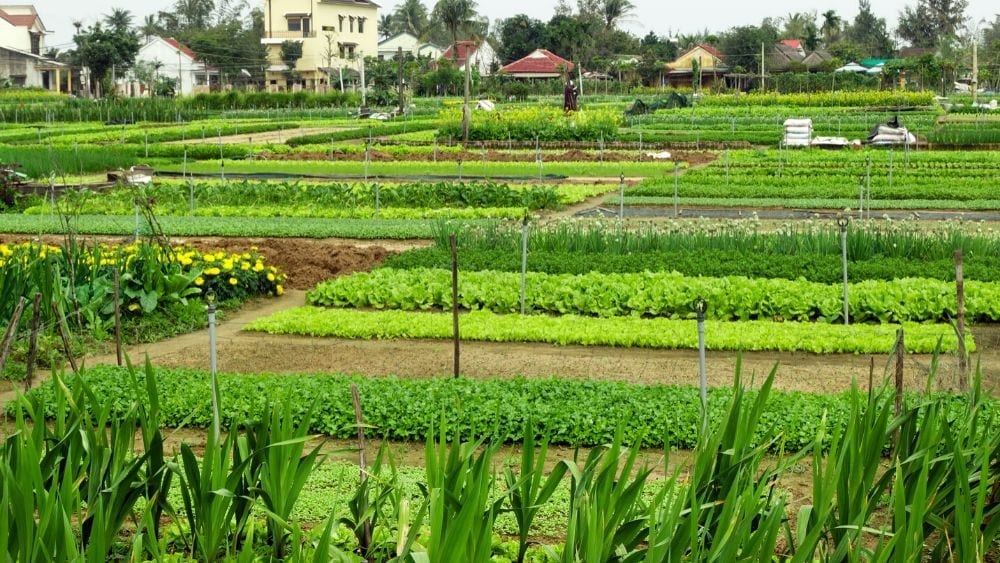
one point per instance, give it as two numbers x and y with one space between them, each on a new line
180 47
465 50
26 20
793 43
711 50
541 61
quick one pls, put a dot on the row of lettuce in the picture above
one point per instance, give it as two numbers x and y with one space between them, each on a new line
590 285
252 493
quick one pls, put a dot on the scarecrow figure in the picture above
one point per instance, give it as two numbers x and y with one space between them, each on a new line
569 97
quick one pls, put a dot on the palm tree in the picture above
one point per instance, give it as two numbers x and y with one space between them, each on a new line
614 11
459 16
385 27
831 27
150 27
795 25
119 19
411 16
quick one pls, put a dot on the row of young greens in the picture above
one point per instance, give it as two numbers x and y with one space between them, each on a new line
770 174
533 123
175 197
241 498
660 294
876 206
822 268
281 227
868 240
626 332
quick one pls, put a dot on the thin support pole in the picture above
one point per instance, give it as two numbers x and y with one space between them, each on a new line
963 357
118 320
524 263
36 321
454 301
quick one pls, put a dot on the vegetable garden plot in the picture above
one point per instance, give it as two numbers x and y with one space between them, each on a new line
660 294
626 332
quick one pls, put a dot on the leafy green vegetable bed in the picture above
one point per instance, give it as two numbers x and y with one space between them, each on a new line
823 268
583 413
628 332
660 294
287 227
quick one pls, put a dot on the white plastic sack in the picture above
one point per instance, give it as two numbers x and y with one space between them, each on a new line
799 123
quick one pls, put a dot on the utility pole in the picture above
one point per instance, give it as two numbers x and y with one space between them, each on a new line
180 75
762 67
364 99
975 64
402 101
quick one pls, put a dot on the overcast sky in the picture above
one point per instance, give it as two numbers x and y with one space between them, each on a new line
659 16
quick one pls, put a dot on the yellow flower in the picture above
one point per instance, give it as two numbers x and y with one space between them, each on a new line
233 281
133 307
227 265
270 277
213 272
258 267
208 258
245 266
199 281
280 290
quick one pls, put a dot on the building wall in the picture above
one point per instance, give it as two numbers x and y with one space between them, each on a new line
326 23
184 69
20 69
706 60
16 37
388 48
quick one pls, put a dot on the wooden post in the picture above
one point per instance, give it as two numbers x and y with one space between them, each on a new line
36 321
362 466
963 357
118 321
11 332
64 333
900 358
454 300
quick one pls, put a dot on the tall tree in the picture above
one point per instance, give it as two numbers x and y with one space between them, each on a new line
931 23
410 16
831 28
869 32
105 51
741 45
795 25
519 35
460 17
187 15
119 19
614 11
150 27
386 28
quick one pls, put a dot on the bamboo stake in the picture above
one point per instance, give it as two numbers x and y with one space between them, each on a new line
64 333
963 357
454 301
11 332
900 357
36 313
118 321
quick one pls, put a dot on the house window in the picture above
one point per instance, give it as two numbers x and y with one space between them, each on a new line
361 25
341 18
352 23
36 44
329 28
299 24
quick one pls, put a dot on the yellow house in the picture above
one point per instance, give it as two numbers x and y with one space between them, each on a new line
710 65
335 35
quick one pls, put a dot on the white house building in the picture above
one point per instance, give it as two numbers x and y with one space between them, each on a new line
388 48
22 42
166 57
482 55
